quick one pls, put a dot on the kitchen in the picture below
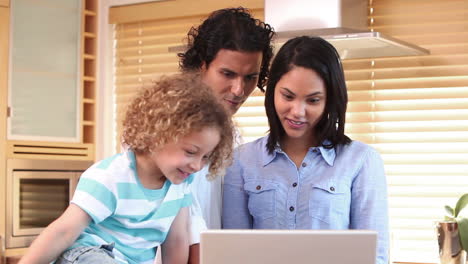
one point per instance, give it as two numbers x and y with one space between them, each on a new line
413 109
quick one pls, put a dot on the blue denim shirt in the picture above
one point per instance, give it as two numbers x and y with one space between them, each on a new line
340 188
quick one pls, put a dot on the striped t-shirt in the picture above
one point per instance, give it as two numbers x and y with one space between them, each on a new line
136 219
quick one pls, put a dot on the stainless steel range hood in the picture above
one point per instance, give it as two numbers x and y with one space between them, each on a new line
341 22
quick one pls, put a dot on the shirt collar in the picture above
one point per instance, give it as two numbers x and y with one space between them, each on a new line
267 157
328 155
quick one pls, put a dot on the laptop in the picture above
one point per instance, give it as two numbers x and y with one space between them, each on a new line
288 246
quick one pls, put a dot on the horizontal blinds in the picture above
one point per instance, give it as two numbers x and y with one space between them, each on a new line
41 201
251 117
414 111
141 56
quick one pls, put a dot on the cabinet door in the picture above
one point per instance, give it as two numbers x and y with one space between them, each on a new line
44 92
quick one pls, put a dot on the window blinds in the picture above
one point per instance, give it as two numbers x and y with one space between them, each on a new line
414 110
141 56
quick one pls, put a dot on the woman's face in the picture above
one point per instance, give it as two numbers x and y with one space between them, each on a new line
300 97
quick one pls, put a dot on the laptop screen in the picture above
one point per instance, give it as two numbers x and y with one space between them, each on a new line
288 246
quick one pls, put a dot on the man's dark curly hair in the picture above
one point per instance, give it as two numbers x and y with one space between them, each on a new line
232 29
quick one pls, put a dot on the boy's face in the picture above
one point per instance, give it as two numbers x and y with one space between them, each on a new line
177 160
233 75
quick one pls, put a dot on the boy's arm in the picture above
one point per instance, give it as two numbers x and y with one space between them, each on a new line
175 248
194 254
58 236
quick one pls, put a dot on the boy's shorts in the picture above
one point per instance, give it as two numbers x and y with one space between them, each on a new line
88 254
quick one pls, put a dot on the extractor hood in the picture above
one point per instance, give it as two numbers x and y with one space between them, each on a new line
343 23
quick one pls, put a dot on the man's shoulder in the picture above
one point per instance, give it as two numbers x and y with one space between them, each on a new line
199 179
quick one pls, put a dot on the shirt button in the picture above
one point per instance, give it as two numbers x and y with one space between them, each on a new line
294 184
291 208
304 164
332 189
258 187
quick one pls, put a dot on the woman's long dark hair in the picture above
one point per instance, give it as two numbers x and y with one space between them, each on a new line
316 54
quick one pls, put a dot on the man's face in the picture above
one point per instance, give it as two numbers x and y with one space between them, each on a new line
233 75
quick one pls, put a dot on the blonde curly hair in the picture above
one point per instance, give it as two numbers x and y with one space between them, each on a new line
172 108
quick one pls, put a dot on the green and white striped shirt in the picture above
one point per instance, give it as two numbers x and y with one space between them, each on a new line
136 219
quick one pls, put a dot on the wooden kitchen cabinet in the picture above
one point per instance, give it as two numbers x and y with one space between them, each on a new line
52 146
44 71
84 146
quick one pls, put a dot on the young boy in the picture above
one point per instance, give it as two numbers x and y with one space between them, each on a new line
128 205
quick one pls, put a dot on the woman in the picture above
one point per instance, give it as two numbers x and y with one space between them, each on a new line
307 174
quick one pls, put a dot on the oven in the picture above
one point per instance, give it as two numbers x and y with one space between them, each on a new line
38 191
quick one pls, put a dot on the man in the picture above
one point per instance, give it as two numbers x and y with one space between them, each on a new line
232 51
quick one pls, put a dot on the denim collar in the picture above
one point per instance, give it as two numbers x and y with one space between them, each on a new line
328 155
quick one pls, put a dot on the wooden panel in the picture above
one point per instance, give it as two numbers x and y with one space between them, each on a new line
13 255
42 156
88 55
52 150
4 38
174 8
13 260
5 3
